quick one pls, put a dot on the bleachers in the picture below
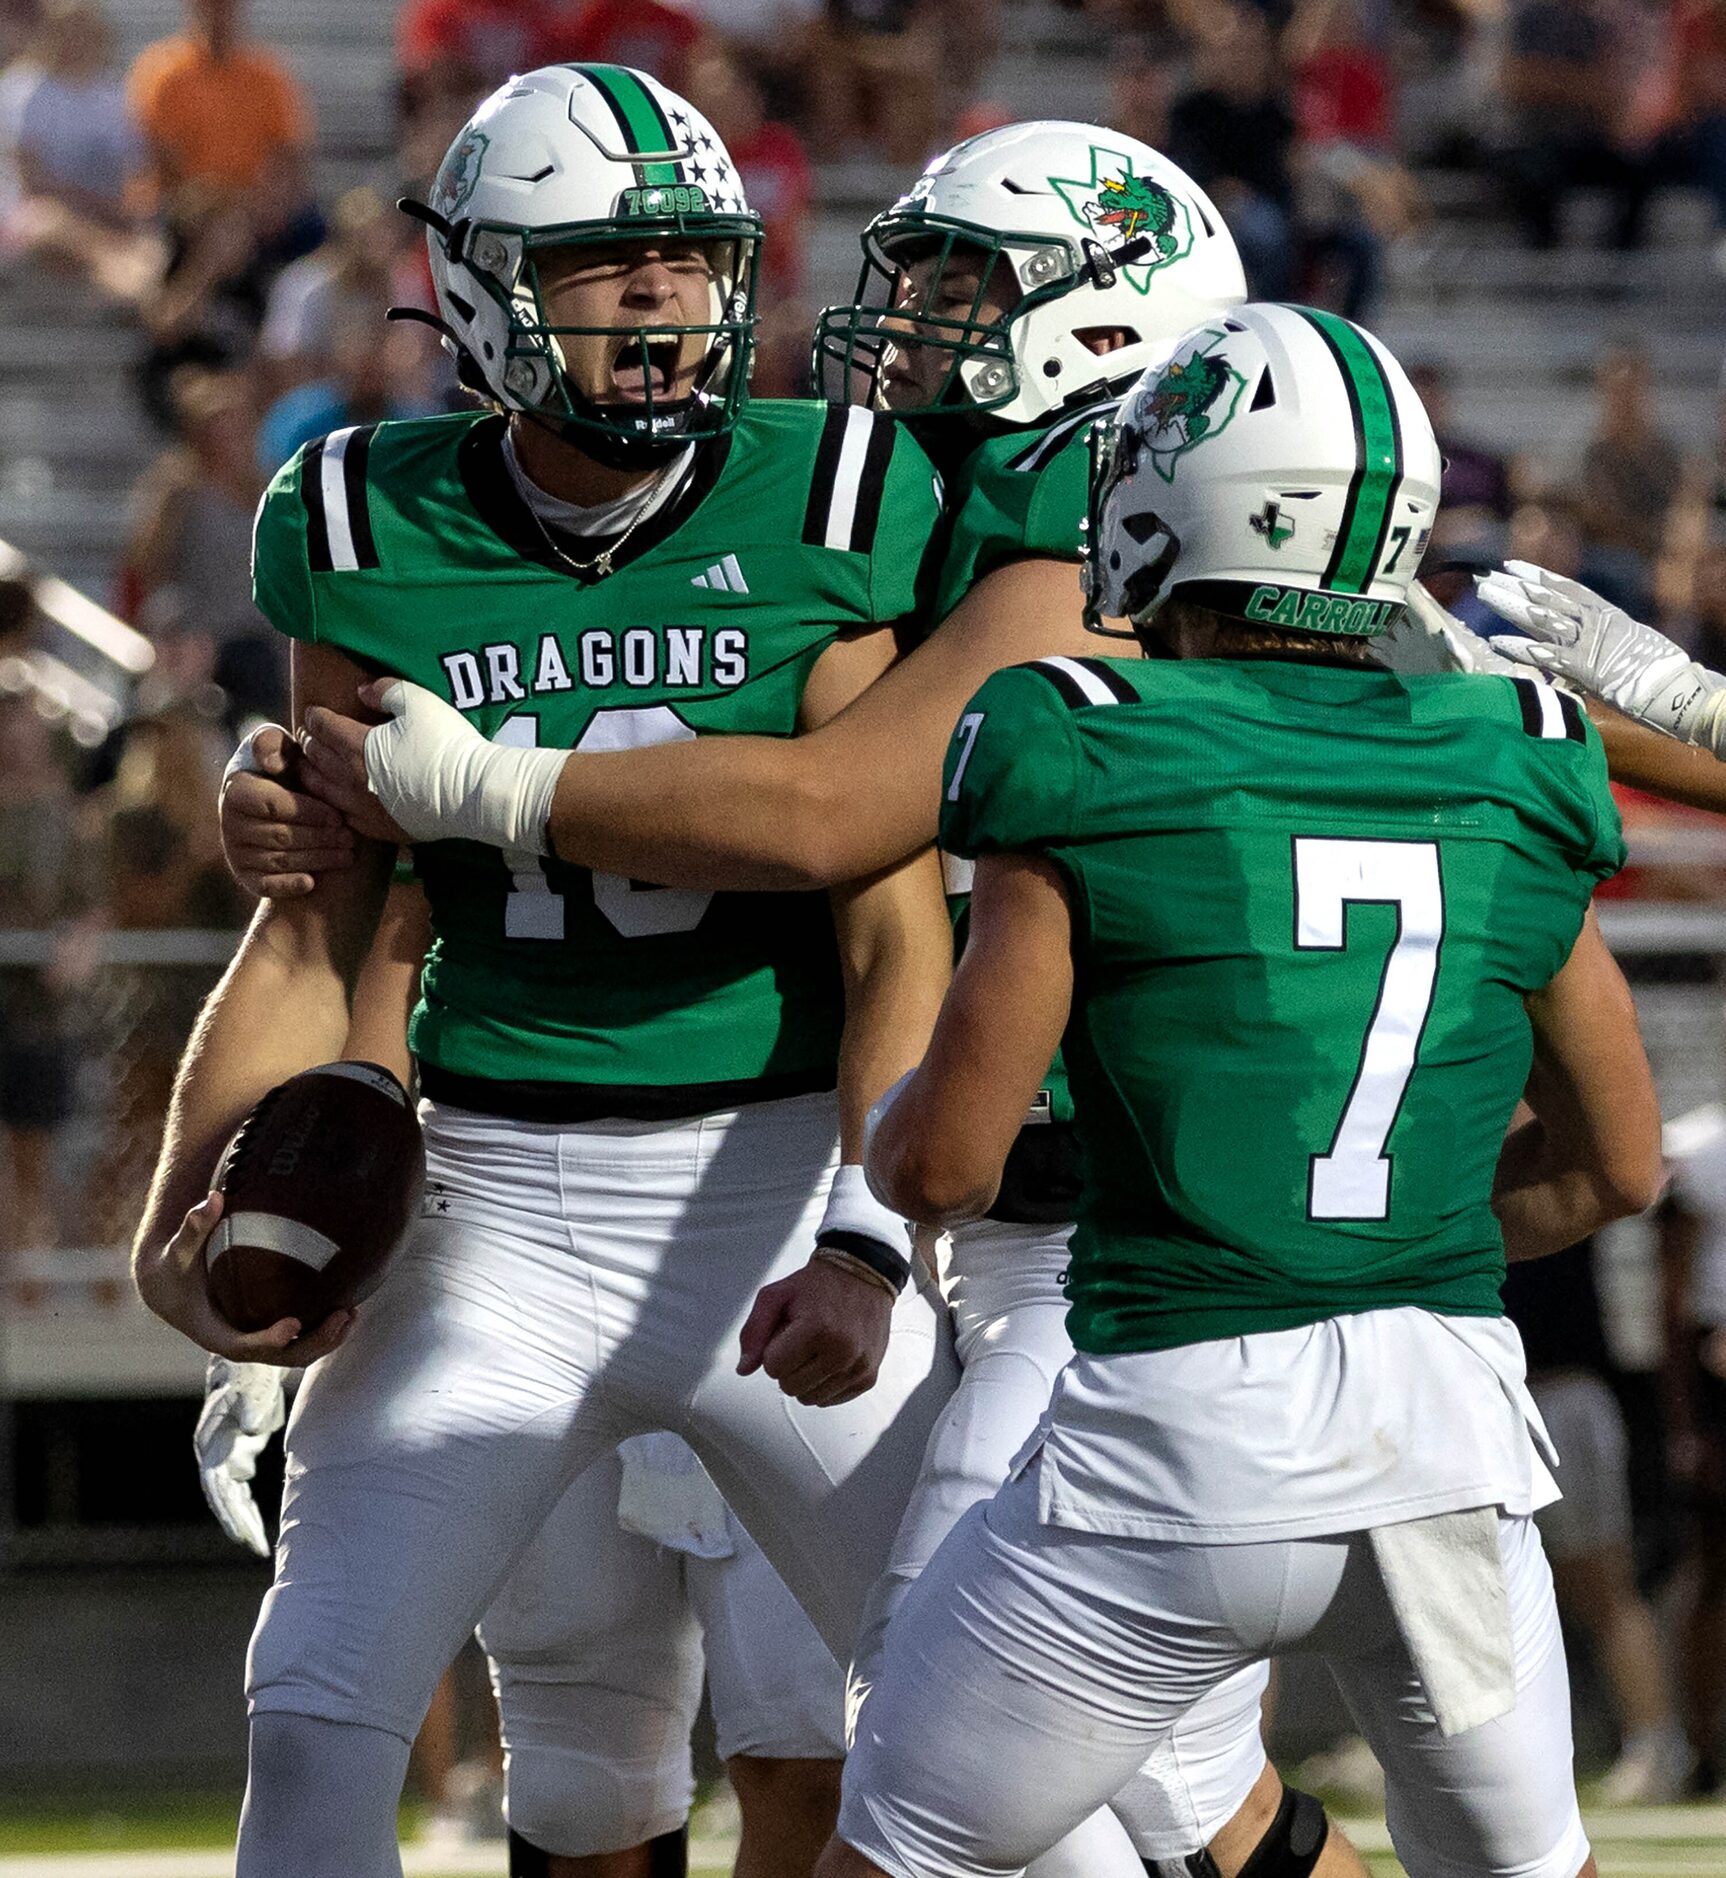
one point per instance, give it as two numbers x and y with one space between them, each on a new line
1464 293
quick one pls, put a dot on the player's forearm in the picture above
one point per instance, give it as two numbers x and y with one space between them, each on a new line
737 813
1652 760
896 952
1553 1190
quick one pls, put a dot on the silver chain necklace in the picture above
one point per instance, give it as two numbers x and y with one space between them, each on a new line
601 564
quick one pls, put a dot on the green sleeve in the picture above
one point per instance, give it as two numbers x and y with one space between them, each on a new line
1055 515
905 557
1013 769
1600 834
1014 503
281 572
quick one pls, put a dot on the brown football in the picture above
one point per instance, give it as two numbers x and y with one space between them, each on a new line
318 1185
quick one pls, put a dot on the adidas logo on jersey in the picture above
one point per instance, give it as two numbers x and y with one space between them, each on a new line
724 576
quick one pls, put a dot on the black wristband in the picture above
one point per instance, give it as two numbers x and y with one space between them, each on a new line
878 1256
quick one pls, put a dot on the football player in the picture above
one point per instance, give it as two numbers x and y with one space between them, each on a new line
632 1131
639 1581
1003 305
1304 924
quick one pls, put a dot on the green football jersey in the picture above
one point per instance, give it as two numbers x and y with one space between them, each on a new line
1307 904
409 547
1019 495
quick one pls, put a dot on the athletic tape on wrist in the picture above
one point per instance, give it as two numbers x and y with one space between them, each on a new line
244 761
857 1224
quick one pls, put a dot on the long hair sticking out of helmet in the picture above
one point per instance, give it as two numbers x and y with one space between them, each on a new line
1071 231
591 157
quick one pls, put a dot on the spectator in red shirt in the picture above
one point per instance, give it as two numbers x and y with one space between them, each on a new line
647 34
770 158
477 44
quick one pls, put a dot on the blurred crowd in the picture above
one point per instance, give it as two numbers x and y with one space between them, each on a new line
183 189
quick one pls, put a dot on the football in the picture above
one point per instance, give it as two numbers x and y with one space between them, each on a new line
319 1183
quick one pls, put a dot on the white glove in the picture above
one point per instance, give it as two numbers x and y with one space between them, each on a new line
1574 634
442 781
244 1404
1430 638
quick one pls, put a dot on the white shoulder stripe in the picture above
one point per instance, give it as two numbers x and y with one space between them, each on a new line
332 488
848 477
1093 688
1551 712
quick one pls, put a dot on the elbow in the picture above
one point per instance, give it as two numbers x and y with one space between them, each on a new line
930 1187
1629 1189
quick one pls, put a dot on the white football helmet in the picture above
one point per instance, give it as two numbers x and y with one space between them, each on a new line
1100 232
1276 466
588 154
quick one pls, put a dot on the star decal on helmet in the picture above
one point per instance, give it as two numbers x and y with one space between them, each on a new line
1119 206
1193 400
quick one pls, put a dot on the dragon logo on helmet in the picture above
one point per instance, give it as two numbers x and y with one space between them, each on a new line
1195 399
459 175
1115 202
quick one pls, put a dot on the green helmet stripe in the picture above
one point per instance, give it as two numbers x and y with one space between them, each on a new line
638 115
1378 455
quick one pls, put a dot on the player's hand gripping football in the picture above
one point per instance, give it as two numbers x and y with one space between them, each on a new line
430 771
1574 634
171 1280
244 1404
820 1334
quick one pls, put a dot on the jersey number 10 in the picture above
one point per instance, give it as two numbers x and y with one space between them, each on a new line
533 910
1352 1179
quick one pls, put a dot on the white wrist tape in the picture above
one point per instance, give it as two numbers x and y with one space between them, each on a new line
441 780
1707 725
244 761
857 1223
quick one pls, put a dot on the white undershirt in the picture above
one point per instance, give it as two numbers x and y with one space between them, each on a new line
1359 1421
1699 1186
603 519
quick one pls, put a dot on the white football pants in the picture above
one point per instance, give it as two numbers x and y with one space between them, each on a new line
1031 1669
568 1287
1003 1283
597 1643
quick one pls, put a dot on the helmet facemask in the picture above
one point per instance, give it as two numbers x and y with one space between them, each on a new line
1123 580
950 290
676 405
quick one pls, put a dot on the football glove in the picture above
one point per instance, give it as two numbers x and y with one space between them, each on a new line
1430 638
1574 634
442 781
244 1404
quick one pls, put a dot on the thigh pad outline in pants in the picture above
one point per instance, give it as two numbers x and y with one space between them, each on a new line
1029 1675
422 1458
773 1685
596 1660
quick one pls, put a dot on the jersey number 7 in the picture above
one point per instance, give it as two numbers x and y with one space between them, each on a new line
1351 1180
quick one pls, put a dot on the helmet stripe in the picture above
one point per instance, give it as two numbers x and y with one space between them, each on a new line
638 116
1378 455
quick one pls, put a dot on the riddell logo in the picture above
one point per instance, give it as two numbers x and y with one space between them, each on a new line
285 1162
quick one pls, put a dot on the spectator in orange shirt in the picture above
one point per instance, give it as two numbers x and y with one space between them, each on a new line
216 110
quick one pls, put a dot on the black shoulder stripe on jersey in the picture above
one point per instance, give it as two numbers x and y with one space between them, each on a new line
1571 711
1044 449
827 453
1529 700
312 495
1064 682
875 461
1102 669
357 491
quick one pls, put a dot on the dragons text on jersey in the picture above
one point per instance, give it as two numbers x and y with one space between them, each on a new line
551 990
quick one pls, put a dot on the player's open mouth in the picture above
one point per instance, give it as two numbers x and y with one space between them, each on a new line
635 379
